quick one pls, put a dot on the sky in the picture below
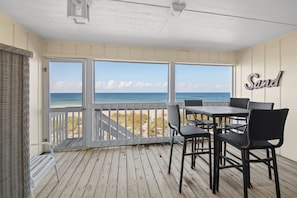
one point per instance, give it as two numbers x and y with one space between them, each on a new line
66 77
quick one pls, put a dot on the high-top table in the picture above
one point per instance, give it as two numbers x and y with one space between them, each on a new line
217 113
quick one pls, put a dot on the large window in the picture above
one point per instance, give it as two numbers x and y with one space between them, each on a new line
128 82
65 83
207 82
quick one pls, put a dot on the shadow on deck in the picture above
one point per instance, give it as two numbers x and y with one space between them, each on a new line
70 144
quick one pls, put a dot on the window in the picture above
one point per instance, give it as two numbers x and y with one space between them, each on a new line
65 83
128 82
207 82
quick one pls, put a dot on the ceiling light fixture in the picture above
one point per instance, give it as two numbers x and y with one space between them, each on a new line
177 8
79 11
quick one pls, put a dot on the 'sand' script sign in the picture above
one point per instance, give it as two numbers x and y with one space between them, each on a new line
257 84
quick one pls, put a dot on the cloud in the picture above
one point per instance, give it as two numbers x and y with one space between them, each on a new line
124 84
139 86
127 86
111 84
67 87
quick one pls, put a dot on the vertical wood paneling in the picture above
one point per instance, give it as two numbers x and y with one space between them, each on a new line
68 48
268 59
6 30
272 67
182 56
237 76
288 94
214 57
83 50
35 98
136 53
148 53
111 52
20 37
194 56
160 55
258 67
246 69
53 47
98 51
172 55
15 35
204 58
123 53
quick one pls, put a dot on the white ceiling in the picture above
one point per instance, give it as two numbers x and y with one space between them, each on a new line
204 24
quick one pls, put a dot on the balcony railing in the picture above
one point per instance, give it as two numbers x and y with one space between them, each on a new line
124 124
112 124
65 126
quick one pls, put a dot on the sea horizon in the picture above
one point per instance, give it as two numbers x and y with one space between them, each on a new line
65 99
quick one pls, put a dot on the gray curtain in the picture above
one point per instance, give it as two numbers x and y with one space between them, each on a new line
14 122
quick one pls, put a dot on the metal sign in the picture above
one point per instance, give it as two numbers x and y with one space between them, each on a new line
258 84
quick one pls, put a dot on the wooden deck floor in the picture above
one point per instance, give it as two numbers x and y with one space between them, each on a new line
141 171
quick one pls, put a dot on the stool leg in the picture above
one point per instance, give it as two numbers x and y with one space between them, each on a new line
171 149
182 165
269 165
278 194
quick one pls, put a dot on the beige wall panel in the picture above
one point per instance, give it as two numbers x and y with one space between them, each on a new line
246 69
15 35
204 57
288 94
20 37
123 53
83 50
194 57
148 53
97 51
136 53
182 56
223 57
272 67
37 130
34 101
35 90
237 76
160 55
53 48
6 30
214 57
227 58
68 48
110 52
258 67
279 54
171 54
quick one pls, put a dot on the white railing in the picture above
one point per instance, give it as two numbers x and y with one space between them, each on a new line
130 123
113 124
65 124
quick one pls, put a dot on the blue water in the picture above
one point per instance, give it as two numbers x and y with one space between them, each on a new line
75 99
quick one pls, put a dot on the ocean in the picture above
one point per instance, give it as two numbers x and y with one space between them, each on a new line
75 99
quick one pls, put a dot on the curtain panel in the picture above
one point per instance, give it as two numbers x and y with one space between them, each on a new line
14 122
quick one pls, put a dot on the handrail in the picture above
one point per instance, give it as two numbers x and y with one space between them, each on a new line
114 123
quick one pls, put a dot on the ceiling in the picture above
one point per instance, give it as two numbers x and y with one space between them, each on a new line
203 24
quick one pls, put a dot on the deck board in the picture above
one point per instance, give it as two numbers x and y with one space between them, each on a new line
142 171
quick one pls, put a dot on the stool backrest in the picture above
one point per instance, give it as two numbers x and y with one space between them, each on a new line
260 105
173 116
239 102
266 125
192 103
